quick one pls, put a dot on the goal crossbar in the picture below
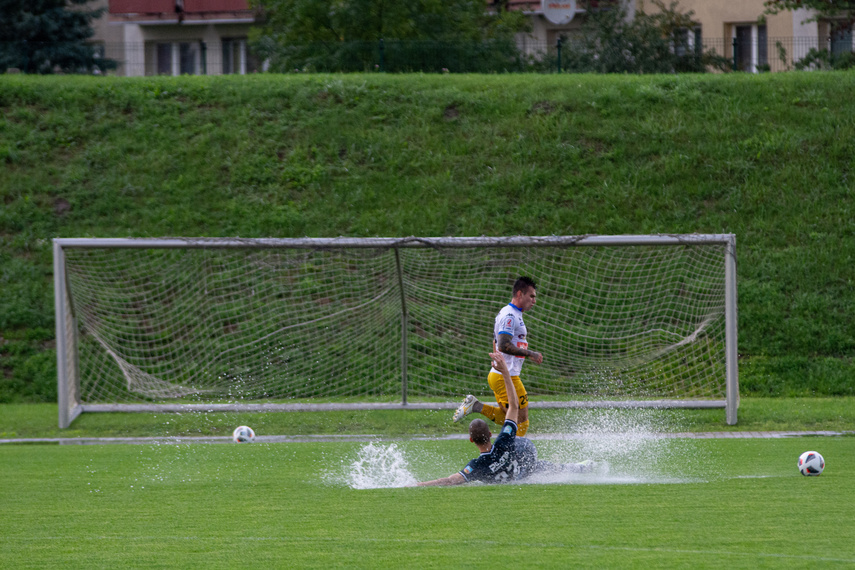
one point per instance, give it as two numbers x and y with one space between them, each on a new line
391 243
71 327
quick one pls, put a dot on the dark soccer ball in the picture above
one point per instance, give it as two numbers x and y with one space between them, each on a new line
811 463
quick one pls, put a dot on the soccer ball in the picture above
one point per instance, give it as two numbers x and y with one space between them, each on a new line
811 463
243 434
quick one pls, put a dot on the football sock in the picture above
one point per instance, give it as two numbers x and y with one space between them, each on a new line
522 428
494 413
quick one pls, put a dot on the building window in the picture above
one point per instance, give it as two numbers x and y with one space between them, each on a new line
688 41
840 38
164 59
237 58
177 58
743 48
99 52
762 47
188 58
234 56
751 47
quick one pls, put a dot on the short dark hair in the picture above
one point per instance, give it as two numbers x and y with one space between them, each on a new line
479 432
523 283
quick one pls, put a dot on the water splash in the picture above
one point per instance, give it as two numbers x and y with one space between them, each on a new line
628 441
628 445
379 466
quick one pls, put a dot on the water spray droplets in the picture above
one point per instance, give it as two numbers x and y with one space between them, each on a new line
629 441
379 466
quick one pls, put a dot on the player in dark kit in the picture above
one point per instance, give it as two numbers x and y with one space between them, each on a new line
509 457
501 463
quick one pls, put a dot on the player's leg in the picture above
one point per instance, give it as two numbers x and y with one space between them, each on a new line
470 404
522 421
497 412
522 427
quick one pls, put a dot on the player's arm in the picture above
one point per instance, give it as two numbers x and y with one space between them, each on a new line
513 400
508 347
455 479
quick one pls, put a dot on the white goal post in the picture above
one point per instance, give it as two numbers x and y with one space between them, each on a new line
232 324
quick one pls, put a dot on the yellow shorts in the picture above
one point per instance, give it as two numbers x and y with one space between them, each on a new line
497 383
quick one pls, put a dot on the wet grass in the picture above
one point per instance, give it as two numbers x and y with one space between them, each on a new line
716 503
755 414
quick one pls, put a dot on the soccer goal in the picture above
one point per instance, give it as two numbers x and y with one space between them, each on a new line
179 324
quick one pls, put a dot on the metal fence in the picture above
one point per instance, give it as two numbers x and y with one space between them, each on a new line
783 53
565 55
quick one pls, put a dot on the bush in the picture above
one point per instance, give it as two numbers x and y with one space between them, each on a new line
648 43
822 59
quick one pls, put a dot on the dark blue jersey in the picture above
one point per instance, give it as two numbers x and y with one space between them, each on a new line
526 456
500 463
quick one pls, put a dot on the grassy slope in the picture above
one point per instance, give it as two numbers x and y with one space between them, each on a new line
766 157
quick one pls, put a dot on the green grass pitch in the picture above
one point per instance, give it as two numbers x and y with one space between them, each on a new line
702 503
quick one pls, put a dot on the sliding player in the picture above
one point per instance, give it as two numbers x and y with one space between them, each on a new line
509 457
510 337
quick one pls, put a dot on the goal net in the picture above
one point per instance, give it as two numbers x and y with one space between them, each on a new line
302 324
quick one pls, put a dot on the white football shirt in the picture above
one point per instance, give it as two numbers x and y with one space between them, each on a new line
510 321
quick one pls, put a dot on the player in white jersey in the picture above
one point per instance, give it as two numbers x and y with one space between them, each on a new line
510 337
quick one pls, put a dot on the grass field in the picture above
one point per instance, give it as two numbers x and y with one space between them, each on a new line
665 504
755 414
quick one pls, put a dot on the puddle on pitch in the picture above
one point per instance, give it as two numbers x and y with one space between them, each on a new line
629 442
626 444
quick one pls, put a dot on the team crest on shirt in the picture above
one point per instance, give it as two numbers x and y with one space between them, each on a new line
467 470
508 429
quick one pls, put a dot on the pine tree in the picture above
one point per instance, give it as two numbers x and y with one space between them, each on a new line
45 36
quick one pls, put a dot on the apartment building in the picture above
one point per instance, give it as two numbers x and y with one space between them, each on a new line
176 37
740 31
756 41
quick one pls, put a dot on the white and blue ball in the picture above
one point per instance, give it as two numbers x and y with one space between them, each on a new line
811 463
243 434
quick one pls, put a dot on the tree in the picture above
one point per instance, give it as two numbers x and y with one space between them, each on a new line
44 36
654 42
822 9
346 34
842 15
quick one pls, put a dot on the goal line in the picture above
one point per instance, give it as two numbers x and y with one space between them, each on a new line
334 407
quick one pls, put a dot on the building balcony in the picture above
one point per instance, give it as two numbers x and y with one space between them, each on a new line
180 11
